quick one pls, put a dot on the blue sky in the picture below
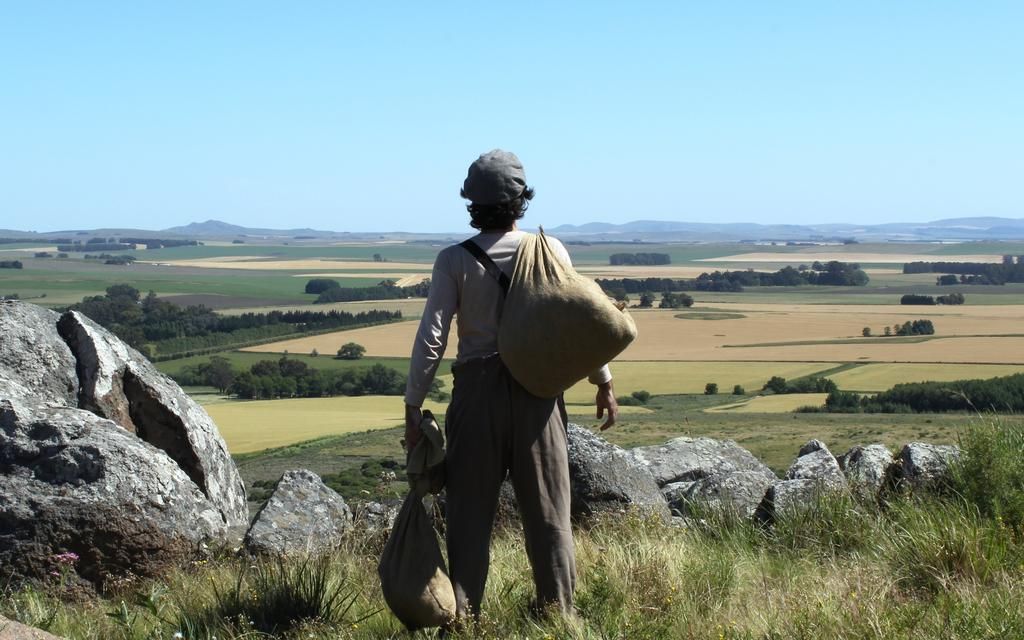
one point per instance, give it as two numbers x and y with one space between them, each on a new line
364 116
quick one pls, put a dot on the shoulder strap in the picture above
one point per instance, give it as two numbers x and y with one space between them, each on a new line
488 264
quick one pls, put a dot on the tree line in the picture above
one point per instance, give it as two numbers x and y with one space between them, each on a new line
161 329
290 378
1010 270
1003 395
332 291
11 264
832 273
639 259
916 299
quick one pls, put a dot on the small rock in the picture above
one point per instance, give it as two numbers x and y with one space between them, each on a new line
303 515
816 462
10 630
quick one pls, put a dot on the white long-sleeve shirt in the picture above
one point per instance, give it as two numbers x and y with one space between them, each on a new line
460 286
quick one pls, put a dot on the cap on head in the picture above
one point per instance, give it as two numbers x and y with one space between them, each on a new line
495 177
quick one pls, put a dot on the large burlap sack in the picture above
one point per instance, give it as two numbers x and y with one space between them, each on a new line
557 327
412 572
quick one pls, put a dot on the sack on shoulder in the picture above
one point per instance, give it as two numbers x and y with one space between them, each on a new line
557 327
412 572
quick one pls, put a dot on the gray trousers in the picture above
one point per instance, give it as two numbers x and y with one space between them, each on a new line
494 425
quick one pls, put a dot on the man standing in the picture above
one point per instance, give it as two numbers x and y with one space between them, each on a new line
493 425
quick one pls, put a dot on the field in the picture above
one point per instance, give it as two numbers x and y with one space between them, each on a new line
774 404
726 338
263 424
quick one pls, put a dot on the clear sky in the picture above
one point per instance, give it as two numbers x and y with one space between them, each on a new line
364 116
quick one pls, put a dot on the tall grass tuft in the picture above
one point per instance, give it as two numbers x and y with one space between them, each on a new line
270 597
990 472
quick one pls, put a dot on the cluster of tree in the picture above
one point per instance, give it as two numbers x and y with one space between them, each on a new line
160 243
635 399
96 246
163 329
832 273
950 298
1002 395
11 264
639 259
1010 270
290 378
111 259
386 290
921 327
809 384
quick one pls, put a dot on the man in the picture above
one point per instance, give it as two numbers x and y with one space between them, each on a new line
493 425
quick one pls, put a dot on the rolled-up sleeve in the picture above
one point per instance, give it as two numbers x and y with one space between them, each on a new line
432 336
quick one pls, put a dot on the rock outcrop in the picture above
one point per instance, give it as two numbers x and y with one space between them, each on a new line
302 516
101 456
118 383
606 478
75 482
35 363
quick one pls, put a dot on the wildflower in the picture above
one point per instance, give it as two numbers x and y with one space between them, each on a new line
68 557
178 636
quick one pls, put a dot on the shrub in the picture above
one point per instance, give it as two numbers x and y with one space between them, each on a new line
866 332
642 396
989 474
738 390
711 389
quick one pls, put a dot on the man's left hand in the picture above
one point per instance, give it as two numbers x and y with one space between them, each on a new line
606 402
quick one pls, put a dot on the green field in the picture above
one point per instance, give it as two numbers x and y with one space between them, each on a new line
662 378
879 377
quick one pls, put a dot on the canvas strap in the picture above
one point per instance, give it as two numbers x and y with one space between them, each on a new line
488 264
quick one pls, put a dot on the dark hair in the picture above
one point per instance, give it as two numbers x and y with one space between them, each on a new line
498 216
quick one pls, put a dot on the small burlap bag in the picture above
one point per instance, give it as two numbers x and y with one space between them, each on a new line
412 572
557 327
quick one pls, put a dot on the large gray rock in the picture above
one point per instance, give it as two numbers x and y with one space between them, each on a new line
118 383
35 363
10 630
816 462
868 469
925 466
788 497
74 482
605 478
737 493
695 458
302 516
814 474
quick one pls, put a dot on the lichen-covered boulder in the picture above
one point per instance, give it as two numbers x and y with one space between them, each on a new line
35 363
816 462
118 383
302 516
605 478
10 630
868 469
689 459
925 466
736 494
77 483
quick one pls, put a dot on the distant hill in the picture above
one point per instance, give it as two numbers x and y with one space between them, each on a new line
950 230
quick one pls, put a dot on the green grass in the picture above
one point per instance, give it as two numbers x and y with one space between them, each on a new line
918 569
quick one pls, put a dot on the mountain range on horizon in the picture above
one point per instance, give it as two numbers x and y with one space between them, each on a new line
950 229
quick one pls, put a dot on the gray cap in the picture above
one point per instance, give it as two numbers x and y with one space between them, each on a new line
495 177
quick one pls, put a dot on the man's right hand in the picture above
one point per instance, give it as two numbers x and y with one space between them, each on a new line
413 417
